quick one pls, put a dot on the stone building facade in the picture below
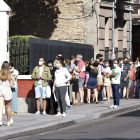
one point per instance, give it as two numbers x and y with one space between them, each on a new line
121 28
73 21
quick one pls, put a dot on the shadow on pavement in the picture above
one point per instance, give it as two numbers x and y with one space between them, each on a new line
131 114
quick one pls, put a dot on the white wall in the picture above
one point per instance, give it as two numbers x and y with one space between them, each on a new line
4 28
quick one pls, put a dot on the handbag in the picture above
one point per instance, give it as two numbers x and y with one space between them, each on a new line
48 92
100 81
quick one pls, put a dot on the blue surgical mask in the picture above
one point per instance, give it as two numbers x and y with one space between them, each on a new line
77 59
114 58
106 65
136 66
114 65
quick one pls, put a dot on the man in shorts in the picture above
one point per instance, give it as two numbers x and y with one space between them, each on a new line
41 75
81 70
125 78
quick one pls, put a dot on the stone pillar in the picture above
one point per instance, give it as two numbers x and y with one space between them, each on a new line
4 31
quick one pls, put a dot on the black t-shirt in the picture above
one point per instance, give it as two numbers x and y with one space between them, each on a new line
53 72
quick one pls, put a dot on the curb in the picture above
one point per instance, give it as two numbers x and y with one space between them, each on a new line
67 124
38 130
115 112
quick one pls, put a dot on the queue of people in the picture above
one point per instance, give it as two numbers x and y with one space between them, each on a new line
94 81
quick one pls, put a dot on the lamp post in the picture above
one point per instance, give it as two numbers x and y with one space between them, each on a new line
113 25
130 29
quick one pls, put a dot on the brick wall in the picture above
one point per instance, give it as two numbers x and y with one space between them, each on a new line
42 19
26 88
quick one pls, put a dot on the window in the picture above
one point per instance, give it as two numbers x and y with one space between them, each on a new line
136 11
106 53
124 52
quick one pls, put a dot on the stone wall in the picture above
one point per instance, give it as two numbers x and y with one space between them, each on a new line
121 30
52 19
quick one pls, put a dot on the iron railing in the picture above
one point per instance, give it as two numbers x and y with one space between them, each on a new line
19 54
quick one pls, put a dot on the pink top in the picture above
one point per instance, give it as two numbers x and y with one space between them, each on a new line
81 64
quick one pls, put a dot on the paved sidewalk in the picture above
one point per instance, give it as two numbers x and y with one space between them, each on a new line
28 124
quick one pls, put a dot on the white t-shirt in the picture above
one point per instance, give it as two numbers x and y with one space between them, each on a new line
40 74
117 81
107 70
14 74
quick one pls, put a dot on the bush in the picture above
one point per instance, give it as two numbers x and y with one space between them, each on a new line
19 53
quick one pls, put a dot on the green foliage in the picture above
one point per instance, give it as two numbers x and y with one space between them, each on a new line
19 53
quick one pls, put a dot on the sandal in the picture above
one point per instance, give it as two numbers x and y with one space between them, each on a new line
107 103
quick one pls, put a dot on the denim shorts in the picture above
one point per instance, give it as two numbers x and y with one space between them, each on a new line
40 91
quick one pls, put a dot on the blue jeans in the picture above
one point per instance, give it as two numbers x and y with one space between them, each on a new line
116 95
137 89
14 99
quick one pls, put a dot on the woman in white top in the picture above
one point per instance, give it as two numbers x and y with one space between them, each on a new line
62 77
107 82
6 83
15 74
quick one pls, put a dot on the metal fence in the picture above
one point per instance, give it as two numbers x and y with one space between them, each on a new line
25 52
19 54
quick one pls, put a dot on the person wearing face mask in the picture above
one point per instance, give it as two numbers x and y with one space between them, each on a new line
41 75
51 101
81 70
107 82
62 77
112 57
75 85
59 55
115 76
15 74
125 78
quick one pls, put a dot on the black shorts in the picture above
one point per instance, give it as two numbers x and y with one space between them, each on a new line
124 83
75 86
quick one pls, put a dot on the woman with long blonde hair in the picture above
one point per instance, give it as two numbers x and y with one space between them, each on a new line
6 83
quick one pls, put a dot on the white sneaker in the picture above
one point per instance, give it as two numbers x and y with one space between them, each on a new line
37 113
112 106
64 114
44 113
0 123
9 123
116 107
58 114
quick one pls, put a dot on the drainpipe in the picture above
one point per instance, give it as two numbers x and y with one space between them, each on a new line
130 29
113 25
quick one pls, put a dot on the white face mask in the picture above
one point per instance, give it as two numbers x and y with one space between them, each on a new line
11 70
121 62
57 65
40 63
